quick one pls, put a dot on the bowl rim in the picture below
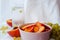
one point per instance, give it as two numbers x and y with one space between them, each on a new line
37 32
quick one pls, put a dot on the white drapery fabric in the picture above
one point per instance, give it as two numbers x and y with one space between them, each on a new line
6 7
41 10
35 10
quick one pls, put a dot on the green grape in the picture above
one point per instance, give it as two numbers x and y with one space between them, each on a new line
55 33
57 38
49 23
55 26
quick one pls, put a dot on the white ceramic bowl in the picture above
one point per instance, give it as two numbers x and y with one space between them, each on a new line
35 36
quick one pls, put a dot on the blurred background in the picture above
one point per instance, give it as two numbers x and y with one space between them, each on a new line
6 7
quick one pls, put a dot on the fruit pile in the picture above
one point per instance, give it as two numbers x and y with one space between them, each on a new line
55 34
34 27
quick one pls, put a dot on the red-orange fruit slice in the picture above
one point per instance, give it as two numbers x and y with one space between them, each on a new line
24 27
41 29
36 29
29 29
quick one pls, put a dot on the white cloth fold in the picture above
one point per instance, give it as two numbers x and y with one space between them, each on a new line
41 10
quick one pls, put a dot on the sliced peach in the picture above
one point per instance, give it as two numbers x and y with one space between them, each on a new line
42 28
36 29
29 29
24 27
38 24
